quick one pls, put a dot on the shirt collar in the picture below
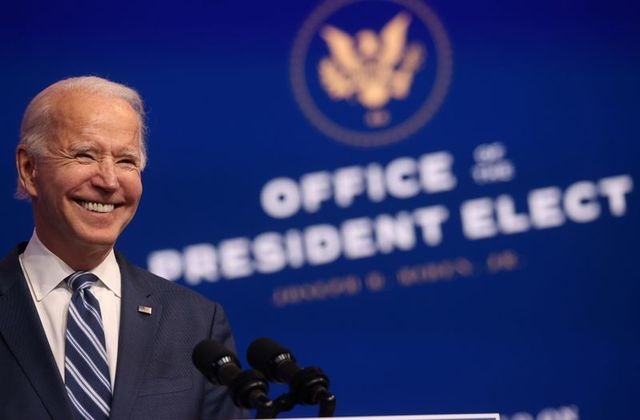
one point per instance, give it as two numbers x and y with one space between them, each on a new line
45 271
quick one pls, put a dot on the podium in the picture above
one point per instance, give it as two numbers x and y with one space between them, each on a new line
483 416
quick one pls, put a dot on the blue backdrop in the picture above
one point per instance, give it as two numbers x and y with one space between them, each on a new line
459 240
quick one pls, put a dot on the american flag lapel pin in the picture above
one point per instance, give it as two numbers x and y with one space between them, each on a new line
145 309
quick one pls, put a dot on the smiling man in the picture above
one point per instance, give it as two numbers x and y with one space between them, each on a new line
84 333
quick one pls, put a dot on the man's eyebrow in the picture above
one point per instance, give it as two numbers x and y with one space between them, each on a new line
129 154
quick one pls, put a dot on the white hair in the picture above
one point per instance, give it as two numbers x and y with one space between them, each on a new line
38 119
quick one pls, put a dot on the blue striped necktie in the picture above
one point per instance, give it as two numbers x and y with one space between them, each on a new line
86 370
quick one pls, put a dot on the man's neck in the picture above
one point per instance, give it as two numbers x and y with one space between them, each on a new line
79 258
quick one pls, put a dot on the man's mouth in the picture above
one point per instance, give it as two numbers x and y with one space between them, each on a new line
97 207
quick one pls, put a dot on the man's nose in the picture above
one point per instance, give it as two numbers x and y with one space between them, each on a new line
107 177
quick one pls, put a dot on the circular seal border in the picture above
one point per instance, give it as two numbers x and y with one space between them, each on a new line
435 98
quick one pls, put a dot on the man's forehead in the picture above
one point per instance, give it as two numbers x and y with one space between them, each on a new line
85 121
84 105
89 113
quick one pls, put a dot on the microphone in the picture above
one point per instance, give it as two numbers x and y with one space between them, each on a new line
221 367
309 385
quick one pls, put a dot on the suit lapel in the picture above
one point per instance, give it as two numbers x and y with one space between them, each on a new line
137 331
22 331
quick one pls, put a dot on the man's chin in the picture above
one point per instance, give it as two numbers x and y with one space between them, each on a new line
96 241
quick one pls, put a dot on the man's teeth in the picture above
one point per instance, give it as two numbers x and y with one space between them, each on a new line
98 207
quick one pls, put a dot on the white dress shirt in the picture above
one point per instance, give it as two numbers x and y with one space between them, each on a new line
45 273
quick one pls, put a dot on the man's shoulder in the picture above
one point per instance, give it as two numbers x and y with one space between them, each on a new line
10 258
10 270
159 285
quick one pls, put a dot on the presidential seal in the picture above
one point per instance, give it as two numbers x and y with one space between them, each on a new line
371 72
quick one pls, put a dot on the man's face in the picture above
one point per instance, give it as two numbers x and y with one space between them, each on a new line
86 187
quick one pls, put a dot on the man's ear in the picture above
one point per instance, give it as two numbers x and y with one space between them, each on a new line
26 166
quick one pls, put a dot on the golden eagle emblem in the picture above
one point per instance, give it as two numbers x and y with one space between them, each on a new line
372 68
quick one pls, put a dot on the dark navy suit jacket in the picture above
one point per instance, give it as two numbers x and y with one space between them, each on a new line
155 378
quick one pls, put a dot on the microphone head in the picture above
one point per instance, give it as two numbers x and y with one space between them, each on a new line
269 357
210 357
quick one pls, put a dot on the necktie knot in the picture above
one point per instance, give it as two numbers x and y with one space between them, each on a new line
81 280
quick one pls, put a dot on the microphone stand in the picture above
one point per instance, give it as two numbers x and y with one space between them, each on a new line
265 408
284 402
287 401
327 404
